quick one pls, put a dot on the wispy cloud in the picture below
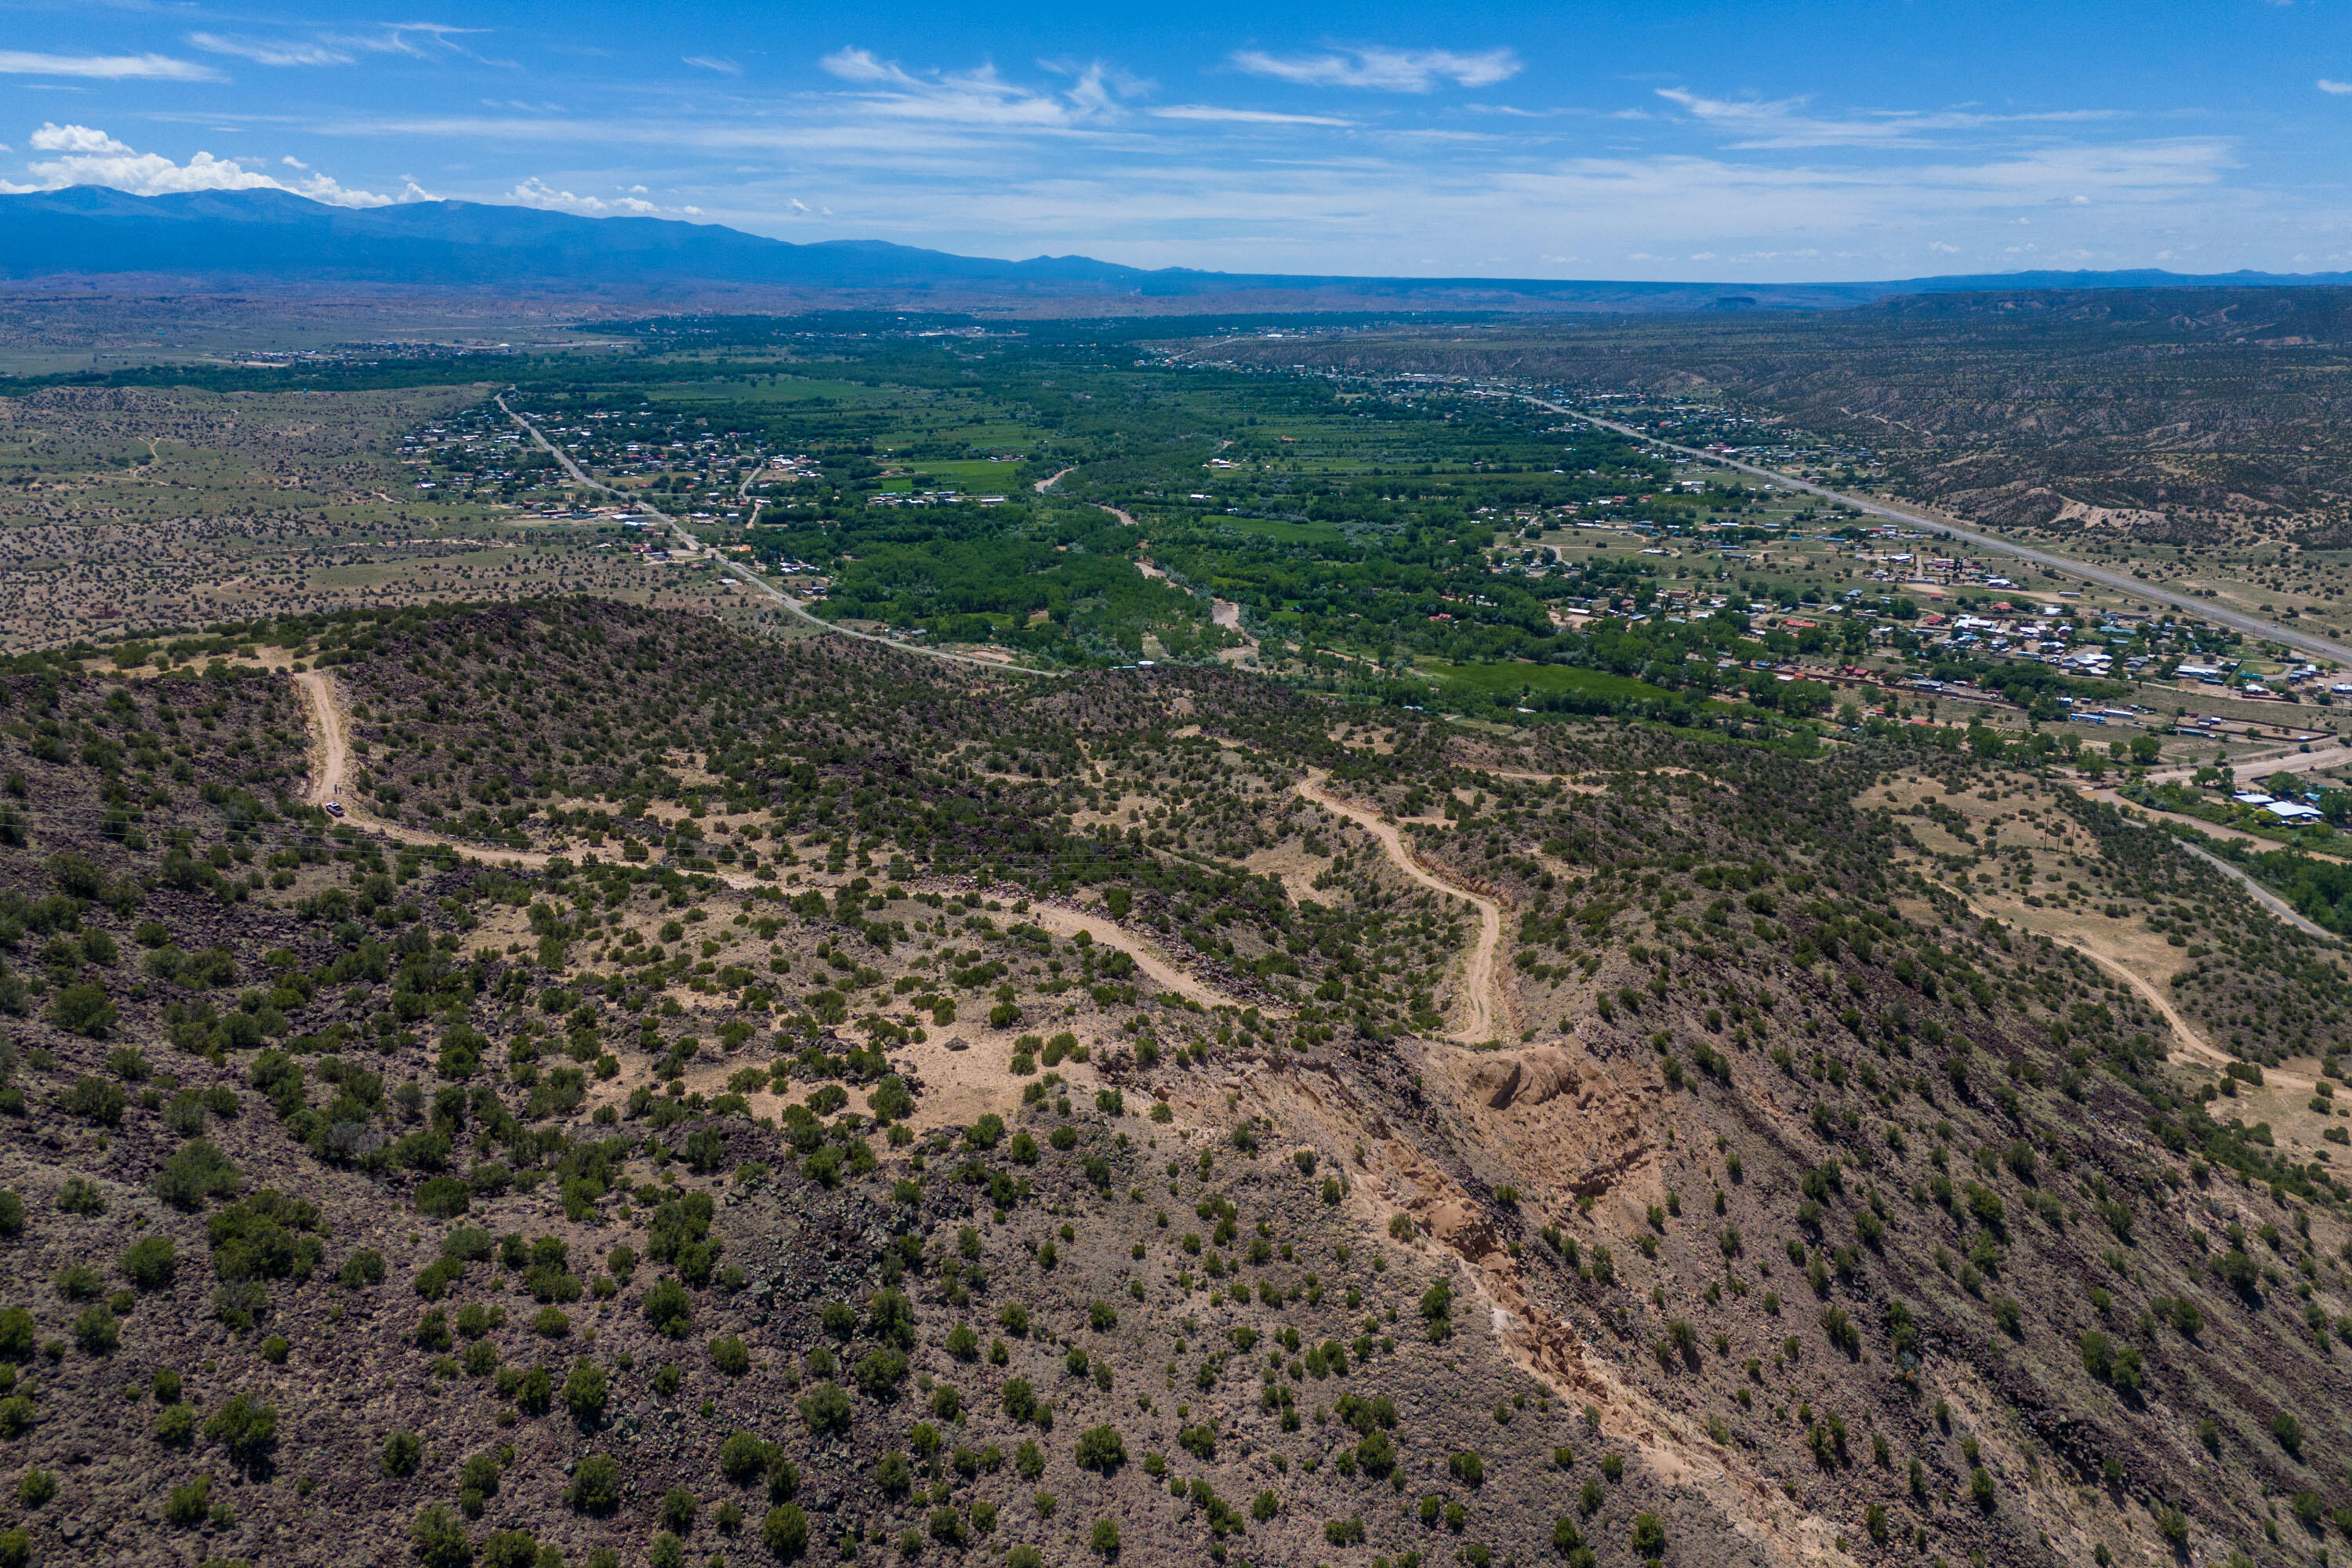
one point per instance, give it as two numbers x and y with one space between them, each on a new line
86 155
414 39
1763 124
1384 70
1215 114
107 67
713 63
271 51
2338 88
979 98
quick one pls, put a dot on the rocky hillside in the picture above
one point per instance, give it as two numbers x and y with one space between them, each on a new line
723 1101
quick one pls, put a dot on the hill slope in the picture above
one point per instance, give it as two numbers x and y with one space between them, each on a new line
764 1169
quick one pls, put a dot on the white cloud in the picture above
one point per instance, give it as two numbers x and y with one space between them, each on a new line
107 67
1778 123
342 49
1384 70
78 139
88 156
537 192
714 63
979 98
1215 114
2338 88
271 51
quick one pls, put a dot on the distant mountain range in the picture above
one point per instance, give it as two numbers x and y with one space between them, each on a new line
216 240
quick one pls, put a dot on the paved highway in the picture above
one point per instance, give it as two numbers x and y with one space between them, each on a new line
2204 609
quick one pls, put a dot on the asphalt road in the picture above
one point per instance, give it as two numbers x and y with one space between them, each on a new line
2204 609
743 573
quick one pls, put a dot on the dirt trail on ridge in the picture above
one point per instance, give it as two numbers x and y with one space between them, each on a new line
1487 1010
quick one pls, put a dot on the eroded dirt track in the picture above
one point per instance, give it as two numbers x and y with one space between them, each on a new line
332 765
1485 1011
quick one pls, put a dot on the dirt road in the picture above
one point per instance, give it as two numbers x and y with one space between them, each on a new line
1487 1011
332 765
2155 998
331 768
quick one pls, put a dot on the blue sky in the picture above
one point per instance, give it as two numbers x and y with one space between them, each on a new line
1663 140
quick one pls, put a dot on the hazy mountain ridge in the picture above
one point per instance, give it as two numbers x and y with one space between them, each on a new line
272 237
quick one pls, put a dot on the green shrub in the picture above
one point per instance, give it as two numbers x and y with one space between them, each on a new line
84 1009
595 1486
35 1489
440 1539
585 1391
535 1390
247 1428
669 1308
401 1452
361 1269
730 1357
189 1504
265 1237
442 1197
825 1409
1100 1449
743 1457
97 1331
510 1549
785 1531
1104 1538
149 1262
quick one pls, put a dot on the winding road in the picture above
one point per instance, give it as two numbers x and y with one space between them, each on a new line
331 767
2122 582
1485 1003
